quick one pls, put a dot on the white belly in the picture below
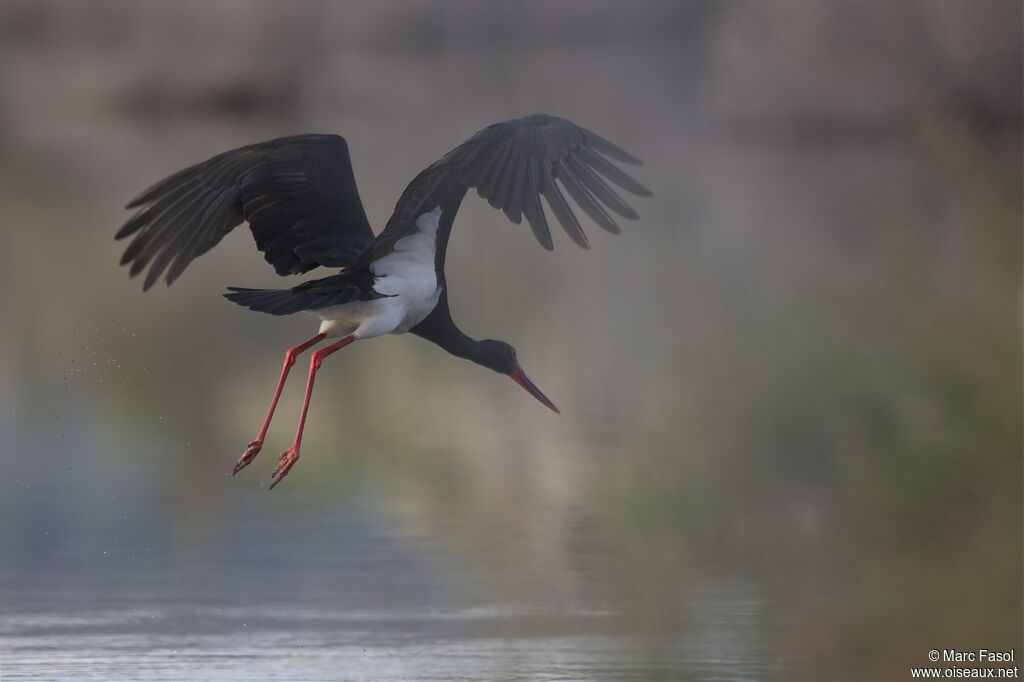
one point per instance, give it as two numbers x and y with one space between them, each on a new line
405 276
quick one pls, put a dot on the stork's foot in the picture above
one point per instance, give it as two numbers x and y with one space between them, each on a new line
287 459
248 456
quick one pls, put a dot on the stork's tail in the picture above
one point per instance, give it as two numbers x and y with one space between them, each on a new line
272 301
318 293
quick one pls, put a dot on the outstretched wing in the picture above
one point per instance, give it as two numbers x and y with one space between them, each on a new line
511 165
297 193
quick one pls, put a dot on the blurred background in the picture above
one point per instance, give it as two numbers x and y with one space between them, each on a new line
790 446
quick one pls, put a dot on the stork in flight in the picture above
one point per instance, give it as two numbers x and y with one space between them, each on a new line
299 196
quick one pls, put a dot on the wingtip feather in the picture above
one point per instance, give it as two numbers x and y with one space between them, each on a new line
612 150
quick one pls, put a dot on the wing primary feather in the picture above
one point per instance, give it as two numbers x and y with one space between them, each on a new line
486 186
132 225
230 171
516 187
169 250
148 214
180 251
199 240
560 208
164 186
606 147
156 233
479 163
159 250
217 221
617 176
584 199
504 182
154 226
561 145
532 208
600 189
229 167
573 136
464 155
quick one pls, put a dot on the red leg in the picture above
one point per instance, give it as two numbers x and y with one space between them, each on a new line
290 456
289 359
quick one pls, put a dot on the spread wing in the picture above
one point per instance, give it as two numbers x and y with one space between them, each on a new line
297 193
512 165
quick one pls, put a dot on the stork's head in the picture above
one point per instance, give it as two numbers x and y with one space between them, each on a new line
501 357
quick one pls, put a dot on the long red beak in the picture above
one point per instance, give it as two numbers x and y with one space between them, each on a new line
521 378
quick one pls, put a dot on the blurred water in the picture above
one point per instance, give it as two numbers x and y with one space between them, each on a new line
317 645
344 593
99 583
299 640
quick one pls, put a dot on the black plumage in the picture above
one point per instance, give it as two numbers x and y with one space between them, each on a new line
511 165
299 196
346 287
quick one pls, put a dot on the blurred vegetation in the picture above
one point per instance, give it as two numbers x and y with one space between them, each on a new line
859 436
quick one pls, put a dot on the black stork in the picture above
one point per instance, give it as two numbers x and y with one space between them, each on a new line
299 196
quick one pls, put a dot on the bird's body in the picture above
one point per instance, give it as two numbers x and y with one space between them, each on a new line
406 281
299 196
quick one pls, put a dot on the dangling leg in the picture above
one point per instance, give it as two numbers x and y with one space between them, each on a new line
290 456
289 359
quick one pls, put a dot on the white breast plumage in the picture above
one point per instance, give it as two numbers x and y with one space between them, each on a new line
405 276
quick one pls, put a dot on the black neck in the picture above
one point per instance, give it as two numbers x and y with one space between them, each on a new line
439 328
